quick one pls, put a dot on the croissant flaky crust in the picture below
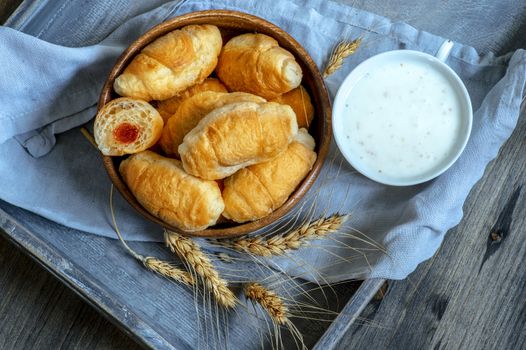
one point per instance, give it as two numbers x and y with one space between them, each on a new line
299 100
235 136
255 63
171 64
258 190
125 126
167 108
163 188
192 110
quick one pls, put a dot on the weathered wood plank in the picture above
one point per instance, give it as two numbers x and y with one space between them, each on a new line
447 303
472 294
499 31
38 312
350 313
7 7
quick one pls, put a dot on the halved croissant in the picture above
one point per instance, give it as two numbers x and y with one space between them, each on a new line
255 63
300 102
235 136
164 189
256 191
125 126
171 64
192 110
167 108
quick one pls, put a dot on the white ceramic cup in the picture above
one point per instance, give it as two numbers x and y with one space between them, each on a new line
438 63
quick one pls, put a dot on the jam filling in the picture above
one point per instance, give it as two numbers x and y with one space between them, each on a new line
126 133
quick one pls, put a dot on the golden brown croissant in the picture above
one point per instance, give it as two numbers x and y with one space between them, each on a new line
235 136
172 63
168 107
255 63
301 104
256 191
125 126
192 110
164 189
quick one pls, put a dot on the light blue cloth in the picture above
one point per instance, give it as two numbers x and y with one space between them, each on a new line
48 89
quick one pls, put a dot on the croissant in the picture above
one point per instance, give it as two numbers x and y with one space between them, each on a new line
192 110
256 191
235 136
167 108
125 126
172 63
163 188
255 63
301 104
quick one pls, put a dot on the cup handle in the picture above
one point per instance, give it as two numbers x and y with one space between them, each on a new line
444 50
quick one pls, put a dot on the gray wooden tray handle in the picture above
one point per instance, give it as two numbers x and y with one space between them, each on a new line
349 314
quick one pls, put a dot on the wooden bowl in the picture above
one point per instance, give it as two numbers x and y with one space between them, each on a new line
232 23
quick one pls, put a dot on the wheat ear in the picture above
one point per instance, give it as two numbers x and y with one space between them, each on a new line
167 270
343 50
277 245
196 260
269 300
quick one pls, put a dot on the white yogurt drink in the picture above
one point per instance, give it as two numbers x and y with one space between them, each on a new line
402 120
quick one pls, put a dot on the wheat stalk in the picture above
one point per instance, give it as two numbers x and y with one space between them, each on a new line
277 245
158 266
167 270
192 255
269 300
89 137
343 49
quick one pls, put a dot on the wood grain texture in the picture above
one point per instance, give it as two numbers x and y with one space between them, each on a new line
472 294
350 313
486 25
38 312
155 313
7 7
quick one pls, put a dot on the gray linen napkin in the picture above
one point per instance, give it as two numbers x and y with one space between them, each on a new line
52 88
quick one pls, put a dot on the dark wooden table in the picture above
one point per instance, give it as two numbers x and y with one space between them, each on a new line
471 295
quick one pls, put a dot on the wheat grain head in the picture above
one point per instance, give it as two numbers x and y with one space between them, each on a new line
196 260
279 244
343 50
167 270
269 300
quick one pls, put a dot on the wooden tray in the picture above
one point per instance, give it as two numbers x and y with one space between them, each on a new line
98 269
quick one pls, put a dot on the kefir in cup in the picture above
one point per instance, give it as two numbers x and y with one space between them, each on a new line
402 117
